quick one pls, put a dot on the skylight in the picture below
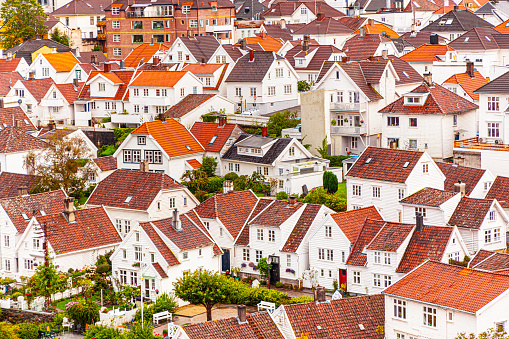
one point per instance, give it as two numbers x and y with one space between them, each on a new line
448 22
43 213
24 215
189 148
466 39
406 74
487 38
406 164
416 5
128 199
213 139
368 160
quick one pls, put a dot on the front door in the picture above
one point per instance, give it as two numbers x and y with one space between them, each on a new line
342 277
274 270
225 266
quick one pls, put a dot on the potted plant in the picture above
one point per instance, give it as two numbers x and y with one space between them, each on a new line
346 120
136 264
333 122
243 264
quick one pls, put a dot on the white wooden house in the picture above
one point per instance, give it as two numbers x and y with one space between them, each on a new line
57 105
15 146
61 67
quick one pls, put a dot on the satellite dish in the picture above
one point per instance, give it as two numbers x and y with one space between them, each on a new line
20 101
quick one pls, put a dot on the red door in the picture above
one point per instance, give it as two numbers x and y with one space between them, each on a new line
342 277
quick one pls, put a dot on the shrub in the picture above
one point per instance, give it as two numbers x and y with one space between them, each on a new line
8 330
82 312
282 195
102 332
330 182
231 176
164 302
27 331
279 284
214 185
104 268
16 295
300 300
58 319
139 332
209 166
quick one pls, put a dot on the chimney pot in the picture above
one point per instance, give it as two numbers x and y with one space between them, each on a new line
292 200
282 24
93 59
155 61
433 39
222 120
69 209
320 294
428 79
75 82
320 17
162 117
144 165
175 222
78 52
419 222
263 35
243 44
251 55
107 67
456 8
460 187
228 186
470 69
241 309
371 22
362 32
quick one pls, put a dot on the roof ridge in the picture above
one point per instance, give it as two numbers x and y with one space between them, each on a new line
489 256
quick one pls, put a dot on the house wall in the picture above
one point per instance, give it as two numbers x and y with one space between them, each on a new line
86 23
480 190
7 229
14 162
316 123
486 117
495 312
29 104
214 104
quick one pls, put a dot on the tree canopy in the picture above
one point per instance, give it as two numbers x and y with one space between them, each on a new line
23 20
280 120
59 37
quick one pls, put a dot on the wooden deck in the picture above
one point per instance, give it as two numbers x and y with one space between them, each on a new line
474 143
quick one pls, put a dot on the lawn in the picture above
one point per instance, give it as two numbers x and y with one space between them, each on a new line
342 189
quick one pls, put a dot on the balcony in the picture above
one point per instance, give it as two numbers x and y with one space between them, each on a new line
482 144
148 14
101 23
101 36
218 28
349 130
346 106
126 118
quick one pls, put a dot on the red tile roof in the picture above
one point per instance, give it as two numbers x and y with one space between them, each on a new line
157 78
500 190
258 326
121 77
390 237
159 270
62 62
439 101
406 73
186 105
206 131
9 115
70 92
417 39
352 21
143 53
243 238
450 286
108 163
13 140
339 318
386 164
287 8
351 222
322 53
427 53
194 163
368 232
232 209
328 26
301 228
7 80
503 27
162 247
479 256
468 83
454 173
276 213
171 136
92 228
470 213
490 261
429 197
379 29
9 65
143 187
38 87
267 42
10 182
428 244
357 48
32 205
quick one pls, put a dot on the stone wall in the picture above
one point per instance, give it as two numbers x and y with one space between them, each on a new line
18 316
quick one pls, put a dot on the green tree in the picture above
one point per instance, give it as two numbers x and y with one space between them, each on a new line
280 120
45 280
22 20
209 166
330 182
264 267
59 37
203 288
303 86
489 334
195 179
321 197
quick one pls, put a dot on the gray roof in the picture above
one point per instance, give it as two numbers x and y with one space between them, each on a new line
493 8
462 21
201 47
253 71
480 38
247 10
25 49
82 7
499 85
270 156
255 141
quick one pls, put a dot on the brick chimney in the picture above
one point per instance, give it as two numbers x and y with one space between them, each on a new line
460 187
155 61
362 32
320 17
228 186
93 59
428 79
162 118
292 200
243 44
419 222
251 55
69 209
222 120
282 24
22 190
264 131
144 165
263 35
470 69
371 22
319 294
107 67
241 310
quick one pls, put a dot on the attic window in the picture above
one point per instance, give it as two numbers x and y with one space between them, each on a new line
43 213
487 38
24 215
368 160
213 139
189 148
128 199
466 39
406 164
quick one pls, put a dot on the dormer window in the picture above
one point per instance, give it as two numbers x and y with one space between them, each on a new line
413 100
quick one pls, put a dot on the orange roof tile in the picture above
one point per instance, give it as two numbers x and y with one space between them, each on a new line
194 163
112 77
378 29
143 52
158 78
202 68
9 65
268 43
447 9
172 136
122 94
503 27
351 222
450 286
62 62
70 92
426 53
468 84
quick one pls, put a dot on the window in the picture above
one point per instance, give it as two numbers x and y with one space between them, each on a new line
265 171
29 264
259 234
158 157
102 86
487 236
172 202
354 143
123 276
279 72
186 9
387 280
245 254
137 24
7 265
115 10
328 231
252 91
142 140
7 240
399 309
493 129
455 120
116 37
185 255
281 184
412 143
115 24
425 168
230 167
272 236
356 190
378 257
134 278
259 255
413 100
343 256
117 51
321 254
137 38
493 216
393 121
377 280
124 254
496 234
36 244
493 104
376 192
118 223
45 72
182 92
128 156
136 156
137 253
158 24
237 167
430 316
179 56
127 226
185 201
137 235
330 255
412 122
153 257
207 82
500 326
356 277
193 23
272 90
291 151
421 210
387 258
288 89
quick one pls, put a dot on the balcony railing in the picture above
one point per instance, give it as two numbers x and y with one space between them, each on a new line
101 36
147 15
348 130
346 106
218 28
477 143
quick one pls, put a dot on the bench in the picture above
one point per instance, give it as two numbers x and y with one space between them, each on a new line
266 306
165 315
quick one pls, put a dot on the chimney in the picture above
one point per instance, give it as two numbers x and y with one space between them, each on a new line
152 40
69 209
345 59
384 54
175 221
251 55
31 75
75 83
22 190
428 79
243 44
320 17
78 55
305 45
122 64
433 39
222 120
362 32
460 187
319 294
155 61
393 145
107 67
264 131
371 22
241 309
51 125
456 8
17 123
9 56
144 165
53 50
203 61
263 35
162 117
93 59
292 200
419 223
470 68
387 4
282 24
228 186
